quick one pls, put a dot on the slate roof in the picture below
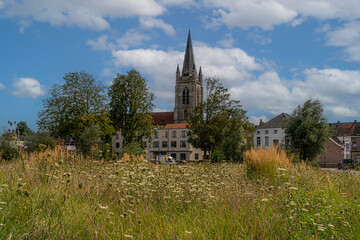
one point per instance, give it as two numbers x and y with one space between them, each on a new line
357 129
336 140
163 118
276 122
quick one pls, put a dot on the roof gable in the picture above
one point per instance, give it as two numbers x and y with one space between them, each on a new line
276 122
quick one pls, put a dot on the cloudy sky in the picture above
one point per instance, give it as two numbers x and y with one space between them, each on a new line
272 55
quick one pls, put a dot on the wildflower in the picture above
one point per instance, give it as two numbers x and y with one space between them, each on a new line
128 236
305 210
103 207
321 229
330 225
293 188
2 203
264 200
187 232
282 169
292 203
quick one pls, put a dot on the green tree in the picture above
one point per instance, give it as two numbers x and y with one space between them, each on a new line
77 103
307 130
130 105
89 137
234 142
208 120
23 129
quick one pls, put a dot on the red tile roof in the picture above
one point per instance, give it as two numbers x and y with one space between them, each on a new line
346 128
163 118
177 125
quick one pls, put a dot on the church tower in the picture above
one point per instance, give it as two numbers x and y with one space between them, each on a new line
188 88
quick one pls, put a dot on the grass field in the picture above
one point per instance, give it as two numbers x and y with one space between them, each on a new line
57 196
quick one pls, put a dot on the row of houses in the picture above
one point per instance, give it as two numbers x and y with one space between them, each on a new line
345 144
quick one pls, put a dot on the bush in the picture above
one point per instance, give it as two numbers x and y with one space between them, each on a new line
8 152
37 141
266 161
132 149
217 156
89 137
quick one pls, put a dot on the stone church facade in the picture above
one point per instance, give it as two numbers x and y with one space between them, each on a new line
171 133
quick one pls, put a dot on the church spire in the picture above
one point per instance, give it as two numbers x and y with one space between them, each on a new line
189 60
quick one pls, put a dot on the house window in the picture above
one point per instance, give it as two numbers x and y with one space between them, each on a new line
117 145
266 131
275 142
164 144
156 134
117 136
182 156
145 144
182 143
183 133
275 131
196 156
156 144
173 144
183 96
266 141
173 155
174 134
347 147
166 134
257 132
258 141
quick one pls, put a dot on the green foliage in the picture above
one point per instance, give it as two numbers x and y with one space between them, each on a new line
130 105
217 156
23 129
89 137
208 120
37 141
8 151
307 130
233 143
74 105
132 149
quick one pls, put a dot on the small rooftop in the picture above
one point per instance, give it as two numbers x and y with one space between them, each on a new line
177 125
276 122
163 118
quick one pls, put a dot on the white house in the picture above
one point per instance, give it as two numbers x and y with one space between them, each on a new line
271 133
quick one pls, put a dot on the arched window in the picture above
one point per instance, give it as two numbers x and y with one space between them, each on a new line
185 114
183 96
187 96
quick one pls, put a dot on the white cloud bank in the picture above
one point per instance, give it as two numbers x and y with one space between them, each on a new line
27 88
2 86
269 13
91 14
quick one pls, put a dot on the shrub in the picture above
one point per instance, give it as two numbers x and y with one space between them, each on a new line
132 150
37 142
217 156
266 161
8 152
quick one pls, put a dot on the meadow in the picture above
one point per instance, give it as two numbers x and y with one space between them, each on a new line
56 195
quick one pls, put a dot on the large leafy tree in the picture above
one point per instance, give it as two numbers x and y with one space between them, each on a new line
307 130
208 120
77 103
23 129
131 103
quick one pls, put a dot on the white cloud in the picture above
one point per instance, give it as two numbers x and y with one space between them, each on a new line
256 120
27 88
149 23
269 13
99 44
347 36
91 15
227 42
2 86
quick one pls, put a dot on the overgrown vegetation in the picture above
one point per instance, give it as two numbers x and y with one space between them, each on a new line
55 195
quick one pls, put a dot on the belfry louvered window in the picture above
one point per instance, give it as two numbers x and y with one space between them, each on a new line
183 96
187 96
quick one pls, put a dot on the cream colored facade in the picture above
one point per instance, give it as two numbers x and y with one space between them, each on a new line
172 140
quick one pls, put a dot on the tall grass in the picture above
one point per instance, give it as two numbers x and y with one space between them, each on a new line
266 161
56 195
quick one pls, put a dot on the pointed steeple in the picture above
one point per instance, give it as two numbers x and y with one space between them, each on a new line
189 60
178 69
200 74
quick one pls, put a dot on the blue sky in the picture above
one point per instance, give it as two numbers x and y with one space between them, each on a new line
272 55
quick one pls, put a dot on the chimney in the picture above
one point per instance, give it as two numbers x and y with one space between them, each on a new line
261 122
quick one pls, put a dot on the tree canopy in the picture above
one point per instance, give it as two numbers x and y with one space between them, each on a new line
307 130
23 129
131 103
208 120
77 103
